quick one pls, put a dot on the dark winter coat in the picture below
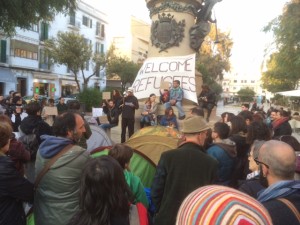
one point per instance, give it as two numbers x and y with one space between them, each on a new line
179 172
61 108
283 129
251 187
241 168
112 115
129 106
35 122
14 190
280 213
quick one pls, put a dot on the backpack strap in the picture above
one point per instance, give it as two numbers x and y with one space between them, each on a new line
49 164
134 215
291 207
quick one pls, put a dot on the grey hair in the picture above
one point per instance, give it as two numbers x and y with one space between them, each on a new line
274 161
256 147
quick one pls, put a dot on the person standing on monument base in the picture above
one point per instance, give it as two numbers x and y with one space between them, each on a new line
181 171
176 97
207 100
129 105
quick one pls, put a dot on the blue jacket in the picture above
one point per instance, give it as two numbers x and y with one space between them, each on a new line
165 121
225 153
176 94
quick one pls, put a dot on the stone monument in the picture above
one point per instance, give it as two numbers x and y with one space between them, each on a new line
179 28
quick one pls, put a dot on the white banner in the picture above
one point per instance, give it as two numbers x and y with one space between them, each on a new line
166 69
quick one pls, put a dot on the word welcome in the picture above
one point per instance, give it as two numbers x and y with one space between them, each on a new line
158 70
163 67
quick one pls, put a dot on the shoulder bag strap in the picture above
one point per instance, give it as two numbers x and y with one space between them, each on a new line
291 206
49 164
134 215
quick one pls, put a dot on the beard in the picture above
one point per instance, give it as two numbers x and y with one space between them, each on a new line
262 180
76 137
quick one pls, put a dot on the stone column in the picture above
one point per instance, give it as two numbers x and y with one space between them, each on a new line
171 24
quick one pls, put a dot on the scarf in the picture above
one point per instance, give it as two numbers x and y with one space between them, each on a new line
253 175
279 190
279 121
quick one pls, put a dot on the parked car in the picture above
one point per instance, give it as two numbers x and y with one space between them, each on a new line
67 98
28 98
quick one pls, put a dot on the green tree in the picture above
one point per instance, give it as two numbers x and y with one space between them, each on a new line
72 50
214 58
122 66
246 94
284 65
24 13
215 54
91 97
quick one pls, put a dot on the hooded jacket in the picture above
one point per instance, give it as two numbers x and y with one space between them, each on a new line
56 197
35 122
225 153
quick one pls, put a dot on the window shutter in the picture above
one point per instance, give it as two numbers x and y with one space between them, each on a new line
102 48
102 30
3 51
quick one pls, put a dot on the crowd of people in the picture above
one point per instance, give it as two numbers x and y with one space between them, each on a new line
239 170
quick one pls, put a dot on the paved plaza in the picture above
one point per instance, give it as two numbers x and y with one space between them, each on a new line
115 133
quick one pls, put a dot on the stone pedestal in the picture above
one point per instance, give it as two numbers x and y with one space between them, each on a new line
183 14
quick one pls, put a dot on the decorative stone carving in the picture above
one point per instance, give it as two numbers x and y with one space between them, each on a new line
202 26
166 32
197 34
174 6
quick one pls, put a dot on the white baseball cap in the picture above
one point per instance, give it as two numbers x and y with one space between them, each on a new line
130 89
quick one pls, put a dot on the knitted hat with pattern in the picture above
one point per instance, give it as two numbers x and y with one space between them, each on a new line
220 205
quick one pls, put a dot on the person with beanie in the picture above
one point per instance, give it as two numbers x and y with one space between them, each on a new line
219 205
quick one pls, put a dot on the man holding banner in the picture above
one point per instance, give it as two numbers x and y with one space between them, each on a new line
176 96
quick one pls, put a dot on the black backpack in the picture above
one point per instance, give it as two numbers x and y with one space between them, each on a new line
31 143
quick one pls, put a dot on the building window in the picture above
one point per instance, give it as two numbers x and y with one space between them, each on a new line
252 81
99 48
100 29
235 81
87 21
72 18
3 51
43 61
34 27
25 54
28 55
44 31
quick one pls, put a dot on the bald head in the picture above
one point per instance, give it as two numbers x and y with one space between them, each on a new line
280 157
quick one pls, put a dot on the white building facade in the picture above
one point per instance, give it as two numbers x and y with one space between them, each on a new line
24 66
232 83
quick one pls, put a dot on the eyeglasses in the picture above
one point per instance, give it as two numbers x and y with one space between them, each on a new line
259 162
